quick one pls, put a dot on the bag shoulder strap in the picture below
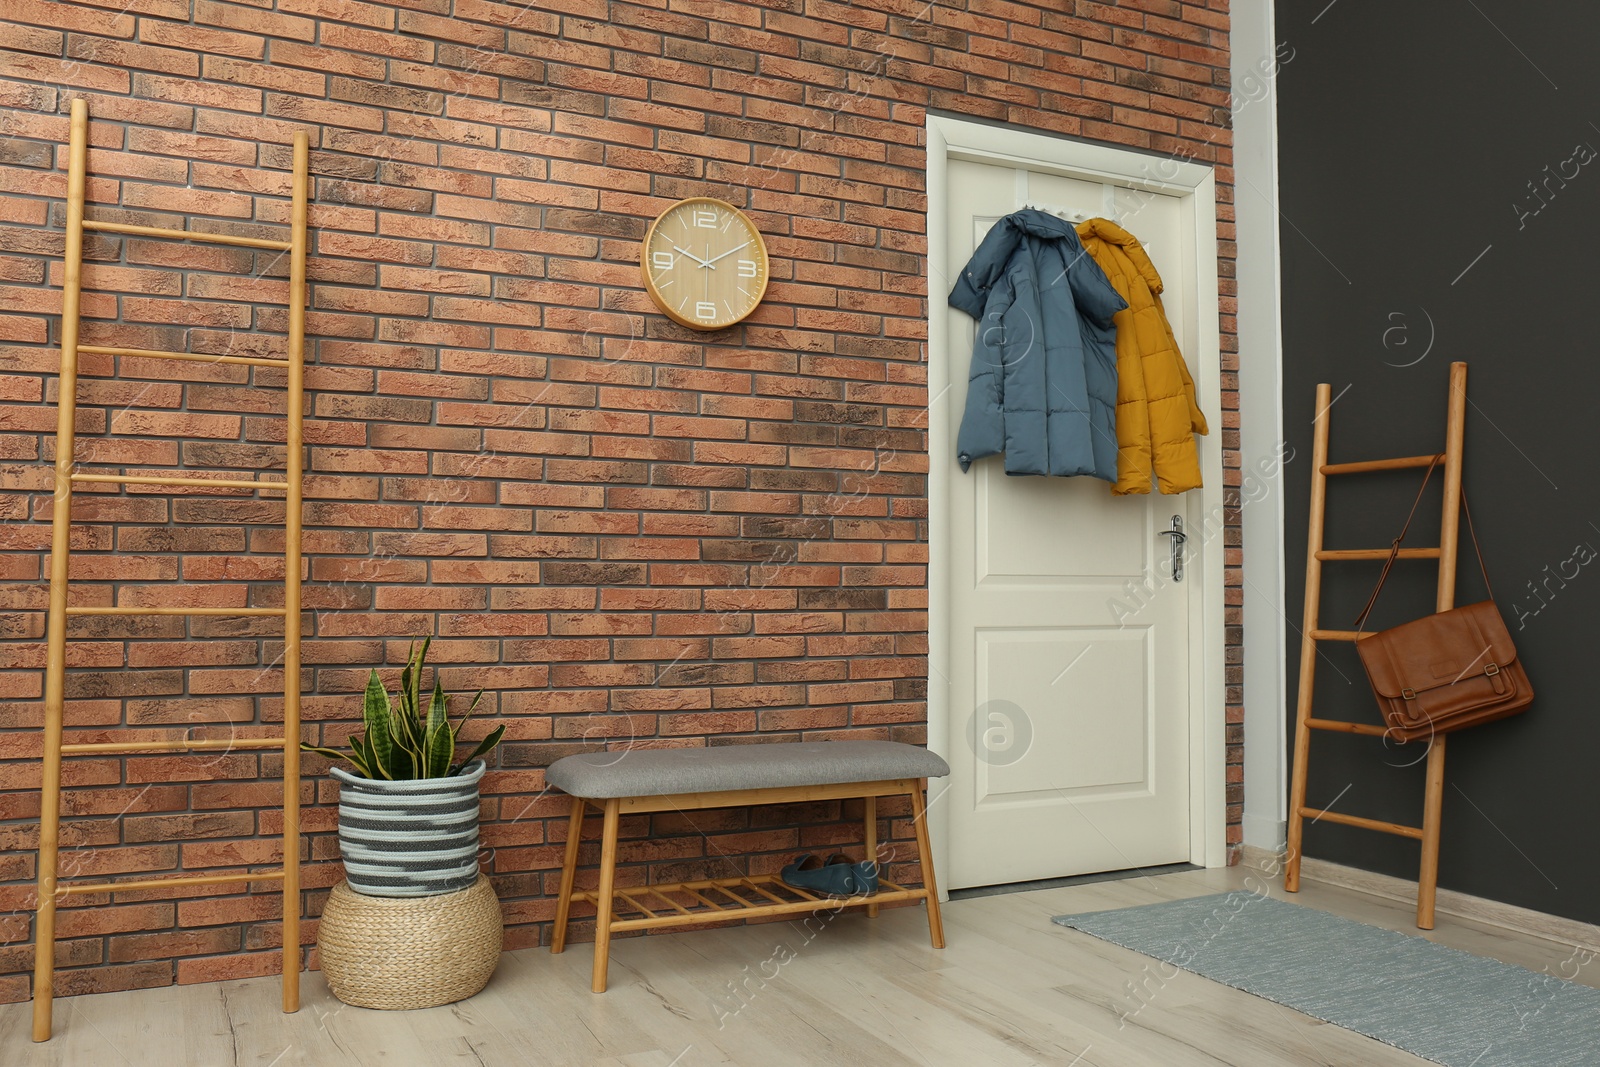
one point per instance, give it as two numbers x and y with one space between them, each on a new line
1476 548
1394 549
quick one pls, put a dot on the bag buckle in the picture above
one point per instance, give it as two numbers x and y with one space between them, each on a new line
1492 669
1408 694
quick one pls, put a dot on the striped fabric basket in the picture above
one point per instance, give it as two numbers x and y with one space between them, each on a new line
413 838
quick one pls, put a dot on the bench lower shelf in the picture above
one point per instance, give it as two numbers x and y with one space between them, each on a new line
714 900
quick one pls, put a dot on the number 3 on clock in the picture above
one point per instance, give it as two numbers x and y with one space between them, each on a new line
704 264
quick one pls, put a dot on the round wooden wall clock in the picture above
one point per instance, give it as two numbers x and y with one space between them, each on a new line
704 264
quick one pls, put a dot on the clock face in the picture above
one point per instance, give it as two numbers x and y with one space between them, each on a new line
704 264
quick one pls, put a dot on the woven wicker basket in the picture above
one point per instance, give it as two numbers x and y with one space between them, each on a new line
399 953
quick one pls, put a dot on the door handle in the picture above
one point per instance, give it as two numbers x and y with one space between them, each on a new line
1178 540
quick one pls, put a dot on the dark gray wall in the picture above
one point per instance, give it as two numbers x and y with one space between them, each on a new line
1409 135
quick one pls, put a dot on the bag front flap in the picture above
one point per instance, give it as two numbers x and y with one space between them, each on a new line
1437 650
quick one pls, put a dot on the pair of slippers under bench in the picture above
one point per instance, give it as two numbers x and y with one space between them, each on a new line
838 876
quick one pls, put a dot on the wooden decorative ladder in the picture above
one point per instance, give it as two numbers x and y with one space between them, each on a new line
1311 633
60 611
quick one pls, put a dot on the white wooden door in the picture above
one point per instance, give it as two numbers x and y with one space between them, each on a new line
1069 643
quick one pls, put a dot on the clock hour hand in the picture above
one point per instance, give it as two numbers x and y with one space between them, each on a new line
726 254
691 255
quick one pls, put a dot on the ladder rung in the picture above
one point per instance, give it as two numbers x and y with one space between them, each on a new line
185 235
206 483
1366 824
173 745
1372 464
197 357
1364 728
1376 553
1333 635
173 611
159 883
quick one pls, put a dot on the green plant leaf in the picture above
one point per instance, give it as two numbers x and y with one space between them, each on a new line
358 757
411 677
410 714
406 759
403 710
330 753
436 708
369 761
484 747
407 672
408 749
441 746
404 764
441 742
376 714
456 733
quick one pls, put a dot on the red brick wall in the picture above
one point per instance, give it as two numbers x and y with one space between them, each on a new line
624 530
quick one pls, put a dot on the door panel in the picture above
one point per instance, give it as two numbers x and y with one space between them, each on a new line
1068 671
1099 725
1053 527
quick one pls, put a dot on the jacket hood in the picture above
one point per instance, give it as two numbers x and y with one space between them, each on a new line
1112 234
989 261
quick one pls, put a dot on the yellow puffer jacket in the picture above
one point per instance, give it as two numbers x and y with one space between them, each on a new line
1157 417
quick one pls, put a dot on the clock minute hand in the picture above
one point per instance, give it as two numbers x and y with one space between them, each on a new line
691 255
728 253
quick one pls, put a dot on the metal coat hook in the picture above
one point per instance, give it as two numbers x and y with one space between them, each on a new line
1059 212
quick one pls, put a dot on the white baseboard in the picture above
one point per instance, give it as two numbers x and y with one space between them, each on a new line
1263 833
1448 902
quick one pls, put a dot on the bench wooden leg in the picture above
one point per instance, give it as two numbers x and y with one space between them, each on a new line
569 874
608 879
871 805
919 820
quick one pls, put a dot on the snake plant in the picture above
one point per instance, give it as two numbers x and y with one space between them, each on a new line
405 739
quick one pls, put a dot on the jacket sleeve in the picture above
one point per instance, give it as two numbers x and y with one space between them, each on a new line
1096 300
1197 418
988 263
983 425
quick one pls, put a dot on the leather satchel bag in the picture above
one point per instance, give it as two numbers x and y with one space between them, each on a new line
1446 671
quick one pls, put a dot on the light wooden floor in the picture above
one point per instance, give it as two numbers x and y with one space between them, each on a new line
1012 989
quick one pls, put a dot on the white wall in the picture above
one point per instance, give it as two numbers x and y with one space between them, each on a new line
1256 59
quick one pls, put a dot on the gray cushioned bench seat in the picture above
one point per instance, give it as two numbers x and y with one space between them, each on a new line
661 771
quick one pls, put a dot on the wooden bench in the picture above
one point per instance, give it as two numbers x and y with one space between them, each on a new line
686 779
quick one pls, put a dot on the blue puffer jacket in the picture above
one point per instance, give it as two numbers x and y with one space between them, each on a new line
1043 383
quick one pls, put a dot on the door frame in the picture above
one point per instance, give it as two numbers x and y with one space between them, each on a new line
1203 511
